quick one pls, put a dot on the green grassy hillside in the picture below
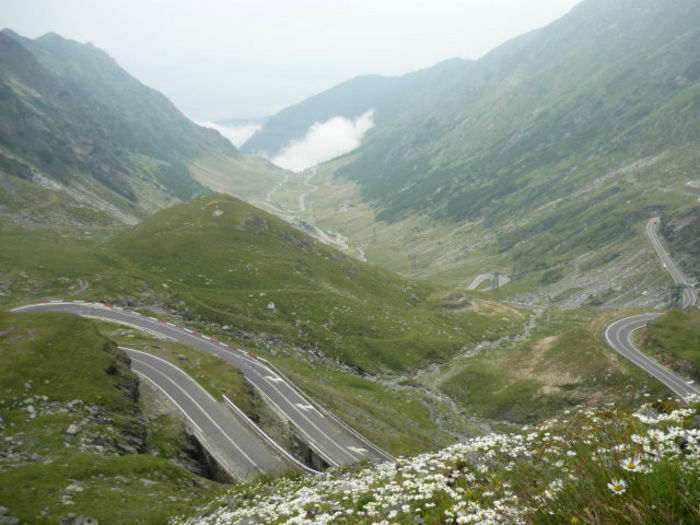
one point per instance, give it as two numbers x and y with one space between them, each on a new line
74 436
674 339
216 264
604 83
563 363
380 350
237 265
542 161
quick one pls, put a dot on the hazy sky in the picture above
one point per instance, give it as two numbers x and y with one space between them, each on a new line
243 58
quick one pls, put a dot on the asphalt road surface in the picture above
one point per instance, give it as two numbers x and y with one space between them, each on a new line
334 441
688 297
618 334
235 447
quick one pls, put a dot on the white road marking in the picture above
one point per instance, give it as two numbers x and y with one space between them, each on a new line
184 412
282 383
194 401
169 364
275 379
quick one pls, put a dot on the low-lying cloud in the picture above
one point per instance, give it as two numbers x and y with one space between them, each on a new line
237 135
324 141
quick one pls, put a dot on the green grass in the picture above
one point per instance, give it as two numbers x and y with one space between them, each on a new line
675 339
248 178
398 420
65 358
121 490
28 203
228 268
564 363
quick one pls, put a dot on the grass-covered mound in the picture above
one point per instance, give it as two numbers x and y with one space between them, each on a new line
219 259
602 465
237 265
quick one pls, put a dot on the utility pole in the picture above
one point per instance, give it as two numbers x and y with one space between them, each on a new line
374 235
414 265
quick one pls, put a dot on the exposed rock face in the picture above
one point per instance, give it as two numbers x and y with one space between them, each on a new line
128 381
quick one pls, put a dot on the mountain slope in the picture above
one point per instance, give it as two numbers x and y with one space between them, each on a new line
70 114
237 265
542 160
600 465
608 79
385 95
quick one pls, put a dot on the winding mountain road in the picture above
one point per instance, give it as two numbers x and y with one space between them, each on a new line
236 448
618 334
331 439
688 297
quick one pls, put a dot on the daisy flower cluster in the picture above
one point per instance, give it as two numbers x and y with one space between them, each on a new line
565 469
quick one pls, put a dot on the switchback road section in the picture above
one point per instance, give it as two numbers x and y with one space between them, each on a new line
618 334
327 436
234 446
688 296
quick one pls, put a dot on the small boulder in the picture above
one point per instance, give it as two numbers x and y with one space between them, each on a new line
68 519
85 520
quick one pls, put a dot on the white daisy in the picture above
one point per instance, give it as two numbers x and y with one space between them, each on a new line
618 486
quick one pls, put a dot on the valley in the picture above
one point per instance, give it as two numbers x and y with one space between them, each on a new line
486 312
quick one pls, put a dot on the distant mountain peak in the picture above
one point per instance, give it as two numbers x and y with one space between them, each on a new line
93 121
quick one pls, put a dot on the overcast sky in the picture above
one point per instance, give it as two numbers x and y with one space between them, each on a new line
244 58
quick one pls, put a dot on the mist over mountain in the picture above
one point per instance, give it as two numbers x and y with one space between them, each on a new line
386 96
236 132
325 141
